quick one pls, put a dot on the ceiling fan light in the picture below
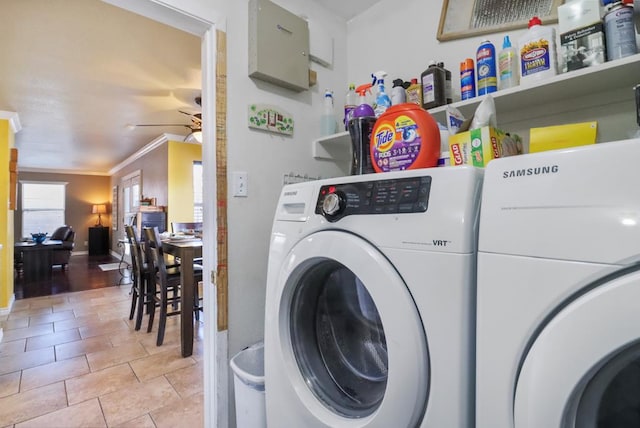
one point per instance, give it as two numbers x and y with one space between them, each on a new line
194 137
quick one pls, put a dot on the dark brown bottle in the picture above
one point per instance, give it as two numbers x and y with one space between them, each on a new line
433 81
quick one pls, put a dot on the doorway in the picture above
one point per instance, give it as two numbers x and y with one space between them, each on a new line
215 365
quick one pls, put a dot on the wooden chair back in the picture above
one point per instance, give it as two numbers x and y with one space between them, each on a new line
134 246
155 256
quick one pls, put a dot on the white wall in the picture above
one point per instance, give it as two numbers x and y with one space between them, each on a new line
405 49
410 42
266 157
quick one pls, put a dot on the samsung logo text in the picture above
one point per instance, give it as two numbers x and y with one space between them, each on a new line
524 172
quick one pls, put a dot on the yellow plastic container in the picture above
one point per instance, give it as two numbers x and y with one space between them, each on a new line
562 136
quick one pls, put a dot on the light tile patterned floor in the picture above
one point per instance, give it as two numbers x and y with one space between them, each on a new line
74 360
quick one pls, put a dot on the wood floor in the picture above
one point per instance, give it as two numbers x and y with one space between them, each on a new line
82 273
73 359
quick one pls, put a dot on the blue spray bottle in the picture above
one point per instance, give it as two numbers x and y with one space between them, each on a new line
383 102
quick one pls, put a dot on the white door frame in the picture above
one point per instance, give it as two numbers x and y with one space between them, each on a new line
188 17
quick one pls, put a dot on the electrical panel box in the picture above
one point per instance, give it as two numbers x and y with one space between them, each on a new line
278 46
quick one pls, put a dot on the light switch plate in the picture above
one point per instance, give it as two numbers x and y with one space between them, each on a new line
239 182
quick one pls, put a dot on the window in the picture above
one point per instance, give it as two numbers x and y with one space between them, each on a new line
43 206
197 192
130 196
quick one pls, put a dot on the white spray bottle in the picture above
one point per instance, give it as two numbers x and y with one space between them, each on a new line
328 118
383 102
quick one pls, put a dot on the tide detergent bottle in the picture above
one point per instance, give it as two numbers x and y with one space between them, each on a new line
404 137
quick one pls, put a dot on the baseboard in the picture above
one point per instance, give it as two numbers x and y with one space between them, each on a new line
7 310
79 253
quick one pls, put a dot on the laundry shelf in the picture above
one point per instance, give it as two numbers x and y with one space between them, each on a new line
335 147
607 81
596 86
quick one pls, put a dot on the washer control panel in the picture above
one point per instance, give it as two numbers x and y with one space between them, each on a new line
395 196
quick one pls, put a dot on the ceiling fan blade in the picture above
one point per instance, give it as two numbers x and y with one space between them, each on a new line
196 118
139 125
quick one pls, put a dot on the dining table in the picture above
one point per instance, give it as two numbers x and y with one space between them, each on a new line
186 250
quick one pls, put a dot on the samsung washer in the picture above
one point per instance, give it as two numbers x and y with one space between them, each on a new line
370 301
558 322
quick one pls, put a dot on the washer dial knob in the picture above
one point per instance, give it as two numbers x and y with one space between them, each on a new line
332 204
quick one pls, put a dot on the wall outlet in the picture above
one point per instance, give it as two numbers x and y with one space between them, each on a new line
86 243
239 181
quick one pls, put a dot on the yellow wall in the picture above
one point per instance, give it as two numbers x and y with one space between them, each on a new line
6 217
180 180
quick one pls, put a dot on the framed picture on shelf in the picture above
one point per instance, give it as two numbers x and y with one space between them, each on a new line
467 18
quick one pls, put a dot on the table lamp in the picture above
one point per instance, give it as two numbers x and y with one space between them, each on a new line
99 209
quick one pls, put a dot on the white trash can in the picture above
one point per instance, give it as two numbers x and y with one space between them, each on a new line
248 382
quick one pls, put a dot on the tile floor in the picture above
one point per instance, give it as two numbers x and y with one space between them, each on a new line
74 360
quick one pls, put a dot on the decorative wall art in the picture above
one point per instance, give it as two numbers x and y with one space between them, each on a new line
270 118
467 18
114 208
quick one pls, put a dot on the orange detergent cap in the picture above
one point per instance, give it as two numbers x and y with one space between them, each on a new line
404 137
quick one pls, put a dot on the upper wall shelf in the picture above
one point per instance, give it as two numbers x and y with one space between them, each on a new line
606 83
602 79
336 147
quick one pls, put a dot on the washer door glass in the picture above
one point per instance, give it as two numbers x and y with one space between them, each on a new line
338 339
353 346
612 398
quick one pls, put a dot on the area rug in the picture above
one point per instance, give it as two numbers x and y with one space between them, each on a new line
109 266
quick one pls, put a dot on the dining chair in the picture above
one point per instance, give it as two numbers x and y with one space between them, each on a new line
143 287
168 283
141 277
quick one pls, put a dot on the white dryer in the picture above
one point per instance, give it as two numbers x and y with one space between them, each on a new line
558 321
370 301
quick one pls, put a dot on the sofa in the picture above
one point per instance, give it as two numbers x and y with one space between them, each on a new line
61 256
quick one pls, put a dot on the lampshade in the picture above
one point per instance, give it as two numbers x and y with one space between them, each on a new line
194 137
99 209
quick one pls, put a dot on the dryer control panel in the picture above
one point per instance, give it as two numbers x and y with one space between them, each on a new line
395 196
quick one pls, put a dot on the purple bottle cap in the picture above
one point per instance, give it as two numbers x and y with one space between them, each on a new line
363 110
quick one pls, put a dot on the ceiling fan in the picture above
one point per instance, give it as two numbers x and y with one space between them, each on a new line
195 127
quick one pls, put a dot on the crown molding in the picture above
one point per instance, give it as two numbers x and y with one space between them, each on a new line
63 171
13 118
154 144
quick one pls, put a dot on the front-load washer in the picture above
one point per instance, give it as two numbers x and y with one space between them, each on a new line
370 301
558 310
